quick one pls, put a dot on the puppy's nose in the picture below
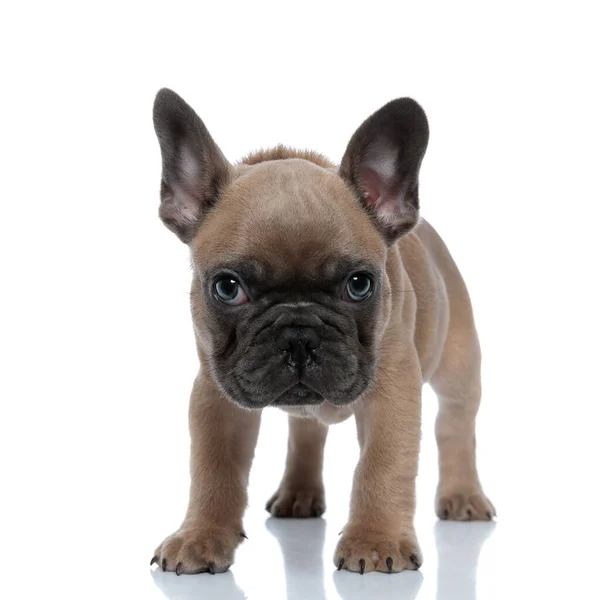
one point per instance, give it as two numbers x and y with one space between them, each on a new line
298 343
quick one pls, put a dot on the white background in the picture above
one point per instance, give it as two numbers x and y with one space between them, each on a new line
96 340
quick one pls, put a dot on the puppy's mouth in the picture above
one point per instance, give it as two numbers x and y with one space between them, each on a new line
299 395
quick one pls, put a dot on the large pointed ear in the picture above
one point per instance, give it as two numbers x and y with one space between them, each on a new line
194 170
382 163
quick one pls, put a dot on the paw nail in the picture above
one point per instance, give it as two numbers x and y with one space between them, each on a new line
164 564
341 564
415 561
389 562
211 568
154 560
243 534
361 564
488 514
445 514
178 568
469 515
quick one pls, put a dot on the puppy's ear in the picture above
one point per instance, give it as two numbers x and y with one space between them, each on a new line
382 163
194 170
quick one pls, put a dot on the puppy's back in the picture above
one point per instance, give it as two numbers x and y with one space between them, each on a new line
443 301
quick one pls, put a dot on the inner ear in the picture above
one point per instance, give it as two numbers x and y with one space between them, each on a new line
384 190
377 172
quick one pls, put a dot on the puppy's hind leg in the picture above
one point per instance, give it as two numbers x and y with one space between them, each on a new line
301 492
457 383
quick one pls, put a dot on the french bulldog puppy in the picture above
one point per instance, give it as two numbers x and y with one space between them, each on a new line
317 289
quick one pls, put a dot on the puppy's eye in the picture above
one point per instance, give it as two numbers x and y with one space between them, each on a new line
358 287
229 291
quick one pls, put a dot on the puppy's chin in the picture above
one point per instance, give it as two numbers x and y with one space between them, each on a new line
299 395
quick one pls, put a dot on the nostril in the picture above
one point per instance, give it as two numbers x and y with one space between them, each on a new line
285 338
313 341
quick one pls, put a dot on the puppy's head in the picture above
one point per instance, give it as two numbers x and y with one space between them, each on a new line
291 296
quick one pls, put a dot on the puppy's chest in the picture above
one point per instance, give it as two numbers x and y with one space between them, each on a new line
326 413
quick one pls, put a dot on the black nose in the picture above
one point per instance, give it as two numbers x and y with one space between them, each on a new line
298 342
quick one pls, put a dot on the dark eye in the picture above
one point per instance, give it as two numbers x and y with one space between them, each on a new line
229 291
358 287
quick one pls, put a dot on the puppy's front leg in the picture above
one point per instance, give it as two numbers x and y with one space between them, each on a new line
223 438
379 535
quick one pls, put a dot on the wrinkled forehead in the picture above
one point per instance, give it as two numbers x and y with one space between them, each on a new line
289 218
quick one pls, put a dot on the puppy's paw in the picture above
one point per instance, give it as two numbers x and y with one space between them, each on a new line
198 550
297 501
463 503
362 552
